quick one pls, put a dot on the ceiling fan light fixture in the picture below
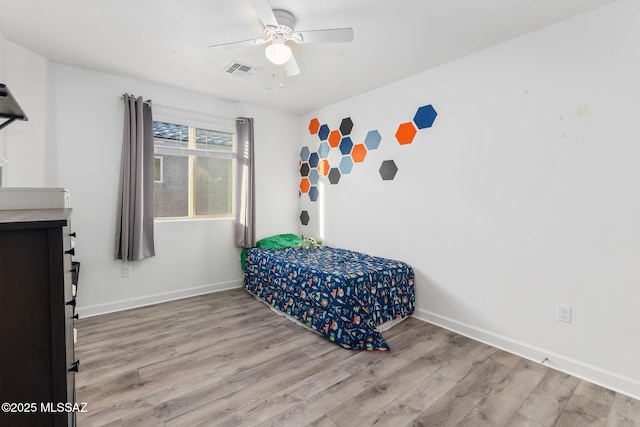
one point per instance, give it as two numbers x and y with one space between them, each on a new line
278 52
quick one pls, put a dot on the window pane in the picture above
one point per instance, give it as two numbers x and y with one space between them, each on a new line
210 139
172 194
214 184
171 134
157 169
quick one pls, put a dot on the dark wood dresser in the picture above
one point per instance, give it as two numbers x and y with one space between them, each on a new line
37 311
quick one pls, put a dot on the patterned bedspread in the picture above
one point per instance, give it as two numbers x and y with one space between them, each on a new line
339 293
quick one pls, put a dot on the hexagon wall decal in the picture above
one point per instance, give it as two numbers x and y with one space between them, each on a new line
334 138
304 169
314 159
314 125
323 167
304 153
346 145
313 193
323 132
346 164
314 176
406 132
334 176
425 116
388 170
346 126
304 218
372 140
358 153
304 185
323 150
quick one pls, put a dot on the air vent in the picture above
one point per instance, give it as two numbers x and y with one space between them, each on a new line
239 69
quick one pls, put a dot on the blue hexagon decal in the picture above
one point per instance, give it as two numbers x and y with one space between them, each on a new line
314 159
304 153
372 140
346 145
323 132
323 150
313 193
346 164
314 176
425 116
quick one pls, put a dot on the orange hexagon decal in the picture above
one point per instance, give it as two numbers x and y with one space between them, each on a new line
358 153
406 132
304 184
314 125
334 138
323 167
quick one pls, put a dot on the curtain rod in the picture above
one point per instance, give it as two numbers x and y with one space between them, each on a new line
167 111
148 101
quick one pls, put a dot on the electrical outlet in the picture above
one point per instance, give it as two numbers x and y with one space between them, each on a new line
126 269
563 313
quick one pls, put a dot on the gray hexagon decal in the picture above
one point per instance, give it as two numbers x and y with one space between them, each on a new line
334 175
388 170
304 217
304 169
346 126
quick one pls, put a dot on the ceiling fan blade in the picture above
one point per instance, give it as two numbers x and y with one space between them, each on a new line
334 35
291 67
253 42
265 13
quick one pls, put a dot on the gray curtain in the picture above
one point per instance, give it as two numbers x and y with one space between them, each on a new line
134 229
244 224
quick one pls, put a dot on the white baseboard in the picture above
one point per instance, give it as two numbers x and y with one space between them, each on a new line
111 307
597 375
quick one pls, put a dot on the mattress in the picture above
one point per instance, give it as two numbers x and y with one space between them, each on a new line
342 294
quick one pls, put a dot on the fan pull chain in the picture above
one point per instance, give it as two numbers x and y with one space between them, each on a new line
281 77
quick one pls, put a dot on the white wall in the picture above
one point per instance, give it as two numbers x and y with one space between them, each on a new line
191 256
511 203
73 139
25 74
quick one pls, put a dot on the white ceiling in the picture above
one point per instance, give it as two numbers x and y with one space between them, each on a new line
166 41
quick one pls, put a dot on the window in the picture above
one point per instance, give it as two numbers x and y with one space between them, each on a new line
194 172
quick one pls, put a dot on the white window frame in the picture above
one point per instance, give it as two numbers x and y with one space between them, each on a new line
197 120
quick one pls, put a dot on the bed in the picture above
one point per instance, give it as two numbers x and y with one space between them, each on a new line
344 295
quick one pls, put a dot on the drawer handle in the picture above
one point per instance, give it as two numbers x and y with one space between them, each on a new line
72 302
71 251
75 316
75 367
72 234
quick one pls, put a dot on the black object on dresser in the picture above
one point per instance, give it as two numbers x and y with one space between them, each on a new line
37 310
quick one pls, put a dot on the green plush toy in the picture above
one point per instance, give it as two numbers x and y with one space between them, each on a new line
309 243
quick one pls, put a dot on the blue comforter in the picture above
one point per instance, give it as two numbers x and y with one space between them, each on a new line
339 293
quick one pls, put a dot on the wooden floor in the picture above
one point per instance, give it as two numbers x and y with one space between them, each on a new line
227 359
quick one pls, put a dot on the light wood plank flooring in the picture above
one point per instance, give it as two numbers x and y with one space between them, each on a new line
226 359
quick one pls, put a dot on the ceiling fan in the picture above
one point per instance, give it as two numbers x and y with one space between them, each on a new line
279 28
